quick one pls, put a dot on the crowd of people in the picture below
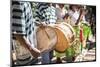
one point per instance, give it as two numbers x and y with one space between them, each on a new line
27 16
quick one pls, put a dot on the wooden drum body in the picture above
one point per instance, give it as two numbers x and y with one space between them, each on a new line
65 36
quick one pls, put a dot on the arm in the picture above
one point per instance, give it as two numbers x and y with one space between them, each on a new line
19 25
80 16
24 42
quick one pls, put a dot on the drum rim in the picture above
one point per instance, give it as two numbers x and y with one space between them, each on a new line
72 30
73 33
57 41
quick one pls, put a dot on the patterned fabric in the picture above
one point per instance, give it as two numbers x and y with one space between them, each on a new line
22 19
45 13
86 55
22 24
86 30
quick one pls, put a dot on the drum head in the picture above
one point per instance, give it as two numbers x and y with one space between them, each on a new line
46 38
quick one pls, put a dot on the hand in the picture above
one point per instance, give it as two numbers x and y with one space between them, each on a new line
25 43
43 23
35 52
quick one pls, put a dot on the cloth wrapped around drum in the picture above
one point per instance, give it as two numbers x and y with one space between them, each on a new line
55 36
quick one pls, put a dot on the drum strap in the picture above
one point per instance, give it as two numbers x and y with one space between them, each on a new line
44 29
47 34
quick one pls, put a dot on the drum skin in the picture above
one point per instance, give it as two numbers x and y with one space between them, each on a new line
46 38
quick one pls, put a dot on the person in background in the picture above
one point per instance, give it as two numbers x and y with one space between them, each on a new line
76 14
60 12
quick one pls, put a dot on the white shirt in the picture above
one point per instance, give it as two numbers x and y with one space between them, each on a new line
74 16
60 13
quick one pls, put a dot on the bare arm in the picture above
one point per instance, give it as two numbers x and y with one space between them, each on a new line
23 41
80 16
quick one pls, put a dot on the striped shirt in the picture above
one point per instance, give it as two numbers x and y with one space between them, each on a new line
45 13
23 20
22 24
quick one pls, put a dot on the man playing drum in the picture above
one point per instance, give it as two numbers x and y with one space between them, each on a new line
23 30
24 26
44 15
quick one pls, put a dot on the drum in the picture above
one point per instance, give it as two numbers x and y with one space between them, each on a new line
65 36
46 38
55 36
